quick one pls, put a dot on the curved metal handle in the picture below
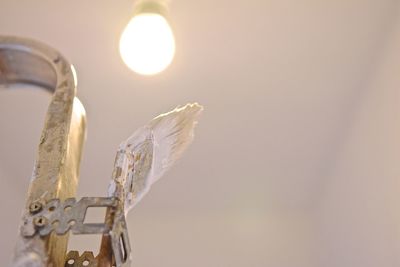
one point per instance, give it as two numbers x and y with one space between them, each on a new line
56 170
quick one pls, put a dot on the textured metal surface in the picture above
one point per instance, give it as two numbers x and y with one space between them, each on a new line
120 242
69 215
61 217
56 169
51 211
87 259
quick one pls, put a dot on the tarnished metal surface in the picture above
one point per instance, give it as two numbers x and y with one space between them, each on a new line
56 169
69 215
61 217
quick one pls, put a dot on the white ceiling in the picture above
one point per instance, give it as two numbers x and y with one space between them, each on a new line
294 160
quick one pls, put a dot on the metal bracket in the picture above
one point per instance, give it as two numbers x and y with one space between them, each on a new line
62 217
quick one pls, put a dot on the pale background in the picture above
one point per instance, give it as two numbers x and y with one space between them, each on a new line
296 158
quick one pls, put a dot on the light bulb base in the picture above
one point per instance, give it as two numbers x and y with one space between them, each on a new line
151 6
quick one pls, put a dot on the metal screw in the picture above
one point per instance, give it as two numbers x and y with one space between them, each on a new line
35 207
40 221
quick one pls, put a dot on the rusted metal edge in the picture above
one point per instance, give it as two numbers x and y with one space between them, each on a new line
56 170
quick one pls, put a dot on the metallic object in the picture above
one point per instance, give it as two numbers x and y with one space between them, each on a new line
51 211
62 217
56 171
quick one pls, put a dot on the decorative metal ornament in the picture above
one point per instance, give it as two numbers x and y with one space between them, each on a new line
52 212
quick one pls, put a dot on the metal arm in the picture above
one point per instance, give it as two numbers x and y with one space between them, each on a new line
56 170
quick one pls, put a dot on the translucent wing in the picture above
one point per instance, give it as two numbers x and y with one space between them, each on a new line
145 156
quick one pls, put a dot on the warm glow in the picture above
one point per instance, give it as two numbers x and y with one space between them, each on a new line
147 45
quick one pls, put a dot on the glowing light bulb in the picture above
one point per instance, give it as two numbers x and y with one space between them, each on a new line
147 45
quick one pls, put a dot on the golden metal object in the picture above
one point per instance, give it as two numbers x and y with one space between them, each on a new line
56 170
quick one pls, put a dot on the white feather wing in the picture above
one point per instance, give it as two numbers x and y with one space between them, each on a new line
145 156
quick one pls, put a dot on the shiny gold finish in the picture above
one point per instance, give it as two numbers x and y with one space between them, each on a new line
56 170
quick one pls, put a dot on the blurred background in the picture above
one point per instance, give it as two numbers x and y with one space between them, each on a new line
295 161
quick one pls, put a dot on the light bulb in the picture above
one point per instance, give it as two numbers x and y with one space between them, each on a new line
147 44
